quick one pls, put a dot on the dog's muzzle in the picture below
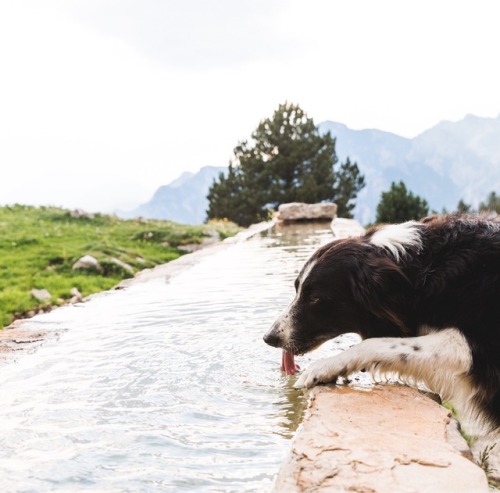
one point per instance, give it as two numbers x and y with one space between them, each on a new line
273 337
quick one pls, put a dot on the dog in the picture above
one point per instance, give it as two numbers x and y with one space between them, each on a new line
425 298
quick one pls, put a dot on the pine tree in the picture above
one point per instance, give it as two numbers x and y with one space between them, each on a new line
399 205
463 207
492 203
286 160
349 181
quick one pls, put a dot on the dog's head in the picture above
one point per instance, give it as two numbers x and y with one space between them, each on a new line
346 286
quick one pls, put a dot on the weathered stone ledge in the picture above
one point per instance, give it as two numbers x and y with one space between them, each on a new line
18 337
385 440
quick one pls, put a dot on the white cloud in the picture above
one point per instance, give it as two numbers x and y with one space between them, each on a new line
104 101
192 34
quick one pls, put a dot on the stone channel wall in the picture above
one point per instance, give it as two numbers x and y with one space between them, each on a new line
390 439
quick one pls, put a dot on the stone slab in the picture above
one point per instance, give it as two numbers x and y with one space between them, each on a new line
388 439
18 337
299 211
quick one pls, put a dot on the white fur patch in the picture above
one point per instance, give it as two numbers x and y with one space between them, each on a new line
304 273
397 237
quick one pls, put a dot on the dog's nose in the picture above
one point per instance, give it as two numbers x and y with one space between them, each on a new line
272 339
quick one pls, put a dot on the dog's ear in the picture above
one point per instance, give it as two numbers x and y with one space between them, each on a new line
382 288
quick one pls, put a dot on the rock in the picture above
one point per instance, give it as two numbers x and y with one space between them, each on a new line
75 292
76 296
19 336
41 294
123 265
346 228
81 214
87 262
389 439
298 211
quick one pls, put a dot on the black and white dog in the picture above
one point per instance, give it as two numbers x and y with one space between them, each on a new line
425 298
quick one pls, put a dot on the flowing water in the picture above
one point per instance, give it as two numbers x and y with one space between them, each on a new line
163 386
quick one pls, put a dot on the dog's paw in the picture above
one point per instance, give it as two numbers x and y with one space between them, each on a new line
325 370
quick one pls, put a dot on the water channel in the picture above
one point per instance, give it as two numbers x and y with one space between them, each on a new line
163 386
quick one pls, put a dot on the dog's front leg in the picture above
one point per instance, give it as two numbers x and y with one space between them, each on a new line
437 359
327 370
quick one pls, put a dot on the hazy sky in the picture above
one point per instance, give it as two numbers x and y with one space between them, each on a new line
103 101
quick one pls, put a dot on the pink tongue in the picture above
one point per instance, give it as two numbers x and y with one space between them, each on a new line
288 363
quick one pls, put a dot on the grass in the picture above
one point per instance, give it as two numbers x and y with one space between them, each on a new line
484 463
484 456
468 438
39 245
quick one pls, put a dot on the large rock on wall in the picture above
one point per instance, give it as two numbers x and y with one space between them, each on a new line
299 211
389 439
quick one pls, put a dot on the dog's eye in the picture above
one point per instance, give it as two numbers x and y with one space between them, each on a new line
313 300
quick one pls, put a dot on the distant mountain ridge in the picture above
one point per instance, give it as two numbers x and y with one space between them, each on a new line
382 158
448 162
184 200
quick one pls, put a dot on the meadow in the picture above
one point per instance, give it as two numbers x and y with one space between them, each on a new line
40 245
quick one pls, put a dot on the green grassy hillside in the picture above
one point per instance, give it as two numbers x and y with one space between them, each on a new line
39 245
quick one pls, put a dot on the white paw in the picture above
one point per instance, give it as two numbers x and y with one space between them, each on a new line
325 370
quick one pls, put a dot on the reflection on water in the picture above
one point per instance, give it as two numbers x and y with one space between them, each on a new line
162 386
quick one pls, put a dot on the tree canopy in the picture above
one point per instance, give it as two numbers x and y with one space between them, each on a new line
492 203
463 207
286 160
399 205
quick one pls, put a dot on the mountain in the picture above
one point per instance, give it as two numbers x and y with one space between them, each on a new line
448 162
184 200
468 152
383 158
